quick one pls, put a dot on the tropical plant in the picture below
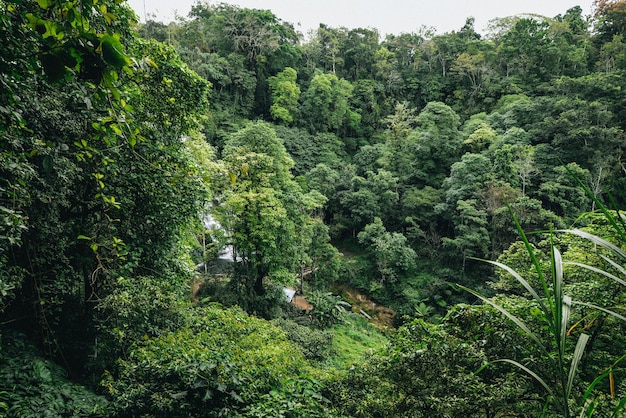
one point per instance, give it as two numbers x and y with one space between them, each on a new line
555 310
617 221
328 308
32 386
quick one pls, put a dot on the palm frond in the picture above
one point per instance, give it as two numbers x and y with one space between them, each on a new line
597 240
606 311
529 372
619 228
562 303
531 252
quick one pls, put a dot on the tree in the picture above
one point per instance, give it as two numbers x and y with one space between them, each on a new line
218 364
525 165
481 138
471 237
325 104
265 213
360 49
98 177
438 143
393 256
375 195
527 51
476 69
466 178
562 195
425 370
285 95
609 15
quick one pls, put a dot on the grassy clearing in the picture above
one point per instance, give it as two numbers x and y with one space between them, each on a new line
353 339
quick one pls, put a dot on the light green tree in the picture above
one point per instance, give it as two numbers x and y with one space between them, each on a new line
285 95
325 104
265 213
390 250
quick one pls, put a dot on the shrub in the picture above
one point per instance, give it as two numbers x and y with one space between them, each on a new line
218 364
31 386
315 345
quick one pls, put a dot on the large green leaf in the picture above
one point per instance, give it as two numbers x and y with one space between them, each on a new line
578 353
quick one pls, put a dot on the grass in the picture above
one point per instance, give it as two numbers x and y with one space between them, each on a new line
354 339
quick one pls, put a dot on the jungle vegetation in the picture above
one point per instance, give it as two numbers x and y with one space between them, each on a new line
448 205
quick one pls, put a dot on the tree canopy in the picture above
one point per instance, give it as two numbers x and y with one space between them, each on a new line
166 188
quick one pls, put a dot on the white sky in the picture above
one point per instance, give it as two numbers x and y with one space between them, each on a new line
388 16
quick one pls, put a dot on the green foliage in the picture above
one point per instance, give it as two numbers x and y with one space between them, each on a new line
104 172
31 386
97 182
555 309
219 364
137 309
392 255
354 339
424 371
308 151
328 309
325 104
300 398
285 95
315 344
265 212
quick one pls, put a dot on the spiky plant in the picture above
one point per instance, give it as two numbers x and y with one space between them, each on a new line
556 307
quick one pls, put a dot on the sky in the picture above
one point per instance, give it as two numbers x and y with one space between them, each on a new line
388 16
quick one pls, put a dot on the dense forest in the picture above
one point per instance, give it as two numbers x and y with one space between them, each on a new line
444 206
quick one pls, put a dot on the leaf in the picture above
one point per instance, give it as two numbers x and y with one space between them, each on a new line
605 211
595 383
597 240
531 253
621 406
607 311
599 271
235 396
529 372
42 372
112 52
179 395
509 315
44 4
615 265
578 353
522 281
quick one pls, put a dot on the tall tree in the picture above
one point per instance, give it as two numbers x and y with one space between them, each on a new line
438 143
265 213
325 104
98 176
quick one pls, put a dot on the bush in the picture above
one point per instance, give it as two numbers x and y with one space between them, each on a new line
314 344
218 364
137 309
31 386
300 398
